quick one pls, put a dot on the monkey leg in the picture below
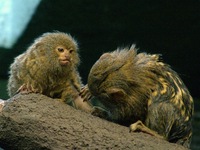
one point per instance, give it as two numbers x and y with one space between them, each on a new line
139 126
85 93
2 103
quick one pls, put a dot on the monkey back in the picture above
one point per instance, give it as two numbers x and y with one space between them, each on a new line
135 87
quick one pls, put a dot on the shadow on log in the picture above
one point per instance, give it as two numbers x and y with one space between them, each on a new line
37 122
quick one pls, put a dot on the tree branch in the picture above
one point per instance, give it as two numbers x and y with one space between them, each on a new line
35 121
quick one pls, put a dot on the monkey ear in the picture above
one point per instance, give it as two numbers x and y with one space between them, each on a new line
116 93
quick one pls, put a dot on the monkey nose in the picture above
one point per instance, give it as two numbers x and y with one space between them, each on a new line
67 57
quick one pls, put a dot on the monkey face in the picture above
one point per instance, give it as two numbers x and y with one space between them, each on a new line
60 49
64 55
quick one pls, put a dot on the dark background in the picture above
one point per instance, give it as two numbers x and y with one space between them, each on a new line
170 28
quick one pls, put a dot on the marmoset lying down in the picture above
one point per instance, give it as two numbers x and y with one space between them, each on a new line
141 91
49 66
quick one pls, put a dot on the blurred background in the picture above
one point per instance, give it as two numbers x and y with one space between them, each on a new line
170 28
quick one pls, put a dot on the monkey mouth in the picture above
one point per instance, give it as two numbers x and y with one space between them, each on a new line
64 61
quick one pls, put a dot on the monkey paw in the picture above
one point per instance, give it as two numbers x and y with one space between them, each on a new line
24 89
85 93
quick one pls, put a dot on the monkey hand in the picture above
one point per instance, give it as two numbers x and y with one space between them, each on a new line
85 93
78 103
25 89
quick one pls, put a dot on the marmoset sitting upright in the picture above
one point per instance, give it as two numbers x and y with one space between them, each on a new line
140 91
49 66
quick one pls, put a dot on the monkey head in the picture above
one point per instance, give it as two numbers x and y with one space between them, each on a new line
60 49
113 78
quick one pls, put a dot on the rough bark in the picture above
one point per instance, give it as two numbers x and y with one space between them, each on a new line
35 121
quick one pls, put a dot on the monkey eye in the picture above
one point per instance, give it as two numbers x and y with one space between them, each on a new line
60 49
70 51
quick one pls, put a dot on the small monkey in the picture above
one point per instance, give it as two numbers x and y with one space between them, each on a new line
141 91
49 66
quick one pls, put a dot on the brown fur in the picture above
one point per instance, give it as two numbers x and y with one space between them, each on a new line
48 66
136 87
